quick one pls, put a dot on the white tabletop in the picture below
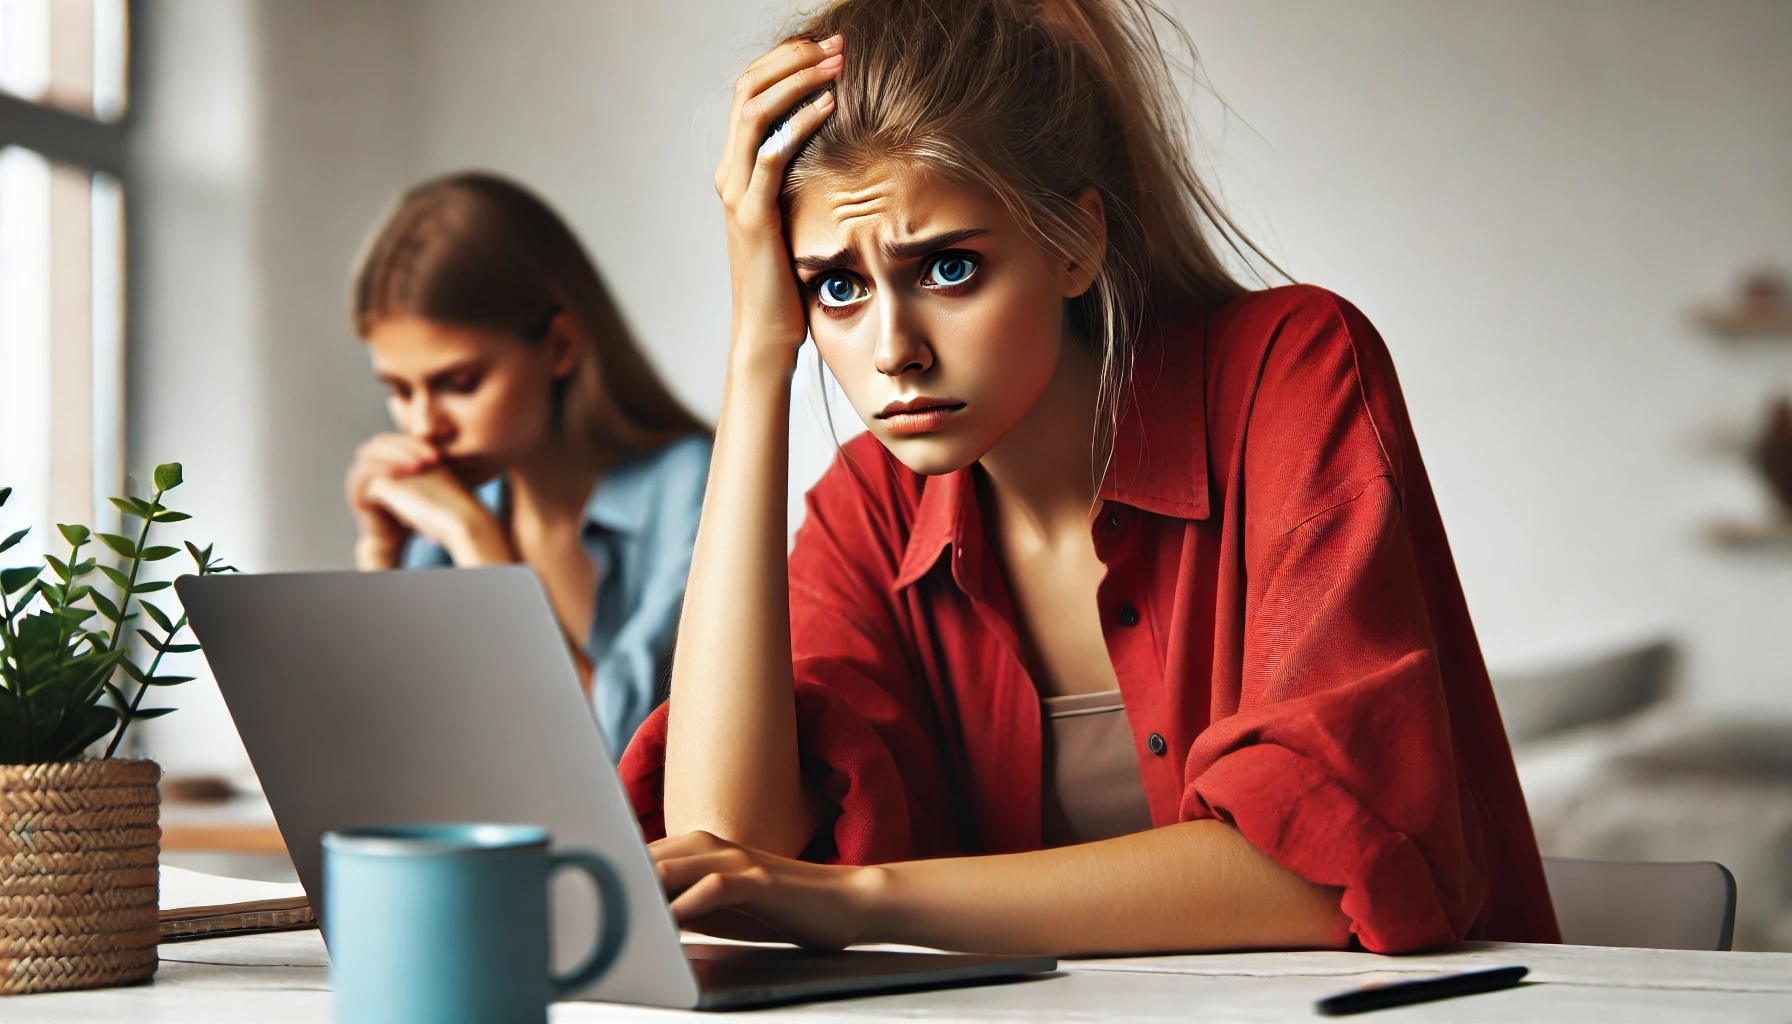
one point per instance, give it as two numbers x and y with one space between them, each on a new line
284 977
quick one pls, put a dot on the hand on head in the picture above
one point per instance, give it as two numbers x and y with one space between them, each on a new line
768 311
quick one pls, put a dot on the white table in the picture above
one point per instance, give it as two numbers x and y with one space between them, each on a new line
284 977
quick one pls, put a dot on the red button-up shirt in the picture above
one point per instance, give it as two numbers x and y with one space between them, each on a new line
1281 608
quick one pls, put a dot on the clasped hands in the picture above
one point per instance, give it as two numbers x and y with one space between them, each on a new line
397 486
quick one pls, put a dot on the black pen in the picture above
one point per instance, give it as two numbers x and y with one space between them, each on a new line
1420 990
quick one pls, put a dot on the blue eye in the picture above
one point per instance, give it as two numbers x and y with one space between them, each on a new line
950 270
839 290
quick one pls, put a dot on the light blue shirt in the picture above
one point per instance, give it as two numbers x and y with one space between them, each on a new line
640 525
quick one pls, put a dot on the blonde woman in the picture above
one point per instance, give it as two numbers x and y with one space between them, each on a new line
1130 623
530 429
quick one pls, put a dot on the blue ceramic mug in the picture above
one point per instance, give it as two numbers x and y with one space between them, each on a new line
440 924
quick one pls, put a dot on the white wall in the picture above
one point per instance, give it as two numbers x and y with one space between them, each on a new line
1522 196
270 136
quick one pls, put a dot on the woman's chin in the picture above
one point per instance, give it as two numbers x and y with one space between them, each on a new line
931 454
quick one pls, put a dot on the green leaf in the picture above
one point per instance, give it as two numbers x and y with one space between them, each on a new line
14 580
84 567
145 714
159 616
122 545
166 680
170 516
118 697
77 593
150 588
60 566
198 556
167 476
160 643
93 669
76 535
158 552
119 579
106 607
5 493
79 729
16 537
134 507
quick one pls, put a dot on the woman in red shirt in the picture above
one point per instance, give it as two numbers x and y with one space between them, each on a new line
1130 624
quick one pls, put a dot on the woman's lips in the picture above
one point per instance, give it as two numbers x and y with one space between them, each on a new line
921 418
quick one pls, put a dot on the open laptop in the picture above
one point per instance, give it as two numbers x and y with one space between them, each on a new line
449 695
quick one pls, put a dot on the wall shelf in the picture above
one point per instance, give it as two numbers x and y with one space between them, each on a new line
1760 310
1756 536
1736 326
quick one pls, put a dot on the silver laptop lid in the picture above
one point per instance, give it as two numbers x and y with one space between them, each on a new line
432 695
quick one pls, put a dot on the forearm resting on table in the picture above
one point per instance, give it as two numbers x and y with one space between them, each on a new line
1199 885
731 747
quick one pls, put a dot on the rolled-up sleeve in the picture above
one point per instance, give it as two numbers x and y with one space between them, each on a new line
1339 762
1337 754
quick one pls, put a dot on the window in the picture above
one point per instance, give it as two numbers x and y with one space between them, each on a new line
63 119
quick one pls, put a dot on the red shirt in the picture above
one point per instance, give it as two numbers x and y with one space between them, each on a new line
1281 608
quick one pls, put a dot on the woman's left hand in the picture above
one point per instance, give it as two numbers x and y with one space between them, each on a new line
722 889
438 506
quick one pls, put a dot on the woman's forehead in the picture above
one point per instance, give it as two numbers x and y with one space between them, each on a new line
412 345
860 213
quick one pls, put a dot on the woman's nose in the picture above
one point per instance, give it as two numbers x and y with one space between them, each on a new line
902 346
428 421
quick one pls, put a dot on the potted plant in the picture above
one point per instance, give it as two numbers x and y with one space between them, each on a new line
79 834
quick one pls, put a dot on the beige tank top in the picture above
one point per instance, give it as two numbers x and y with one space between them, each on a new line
1091 787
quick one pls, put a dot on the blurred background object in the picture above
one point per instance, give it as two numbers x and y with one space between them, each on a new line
1773 453
1524 197
1762 308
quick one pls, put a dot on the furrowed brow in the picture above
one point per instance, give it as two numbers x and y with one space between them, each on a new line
827 264
897 252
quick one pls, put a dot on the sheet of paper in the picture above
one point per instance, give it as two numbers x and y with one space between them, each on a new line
183 889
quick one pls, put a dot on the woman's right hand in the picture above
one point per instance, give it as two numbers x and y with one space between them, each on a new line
381 540
769 316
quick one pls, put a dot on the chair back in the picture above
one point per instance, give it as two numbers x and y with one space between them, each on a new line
1643 905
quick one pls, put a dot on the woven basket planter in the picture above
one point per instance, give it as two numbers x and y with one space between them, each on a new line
79 841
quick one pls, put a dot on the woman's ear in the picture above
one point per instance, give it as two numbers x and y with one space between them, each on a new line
1078 274
563 347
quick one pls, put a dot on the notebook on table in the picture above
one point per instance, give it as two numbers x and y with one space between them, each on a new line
195 905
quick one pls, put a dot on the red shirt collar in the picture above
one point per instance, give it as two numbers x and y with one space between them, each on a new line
1160 449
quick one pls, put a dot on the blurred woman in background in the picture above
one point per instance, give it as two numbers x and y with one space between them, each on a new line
530 428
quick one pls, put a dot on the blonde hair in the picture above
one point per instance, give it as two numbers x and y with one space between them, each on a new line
478 250
1032 102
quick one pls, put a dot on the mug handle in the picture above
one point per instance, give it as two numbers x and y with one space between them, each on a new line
613 908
